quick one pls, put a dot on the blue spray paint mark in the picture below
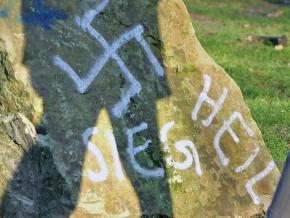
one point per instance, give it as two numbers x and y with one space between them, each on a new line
43 16
4 13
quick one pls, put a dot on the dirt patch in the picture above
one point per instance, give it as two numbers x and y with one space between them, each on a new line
199 17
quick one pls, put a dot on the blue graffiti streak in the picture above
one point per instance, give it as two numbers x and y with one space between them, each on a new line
4 13
43 16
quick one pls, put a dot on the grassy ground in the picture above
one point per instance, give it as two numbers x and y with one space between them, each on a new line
226 29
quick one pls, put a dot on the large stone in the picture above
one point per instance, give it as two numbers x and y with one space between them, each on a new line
20 130
133 117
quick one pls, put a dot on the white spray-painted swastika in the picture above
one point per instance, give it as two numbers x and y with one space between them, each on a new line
110 51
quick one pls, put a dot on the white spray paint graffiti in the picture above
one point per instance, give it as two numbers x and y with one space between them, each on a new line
133 151
117 163
248 162
249 186
203 98
217 106
186 147
110 51
103 174
227 128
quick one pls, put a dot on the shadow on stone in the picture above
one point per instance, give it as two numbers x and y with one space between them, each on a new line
47 182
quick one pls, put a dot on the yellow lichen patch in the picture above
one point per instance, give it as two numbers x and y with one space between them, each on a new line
14 42
112 197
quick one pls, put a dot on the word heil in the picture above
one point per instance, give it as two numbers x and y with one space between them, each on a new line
186 147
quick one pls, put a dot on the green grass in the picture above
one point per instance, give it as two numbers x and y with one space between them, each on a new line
263 73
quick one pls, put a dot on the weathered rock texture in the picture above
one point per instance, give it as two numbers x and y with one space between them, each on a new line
203 160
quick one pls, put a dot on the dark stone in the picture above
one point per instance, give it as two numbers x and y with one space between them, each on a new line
274 40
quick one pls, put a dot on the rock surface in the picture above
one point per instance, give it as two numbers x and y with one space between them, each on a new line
132 115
